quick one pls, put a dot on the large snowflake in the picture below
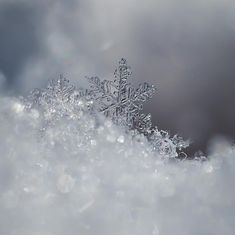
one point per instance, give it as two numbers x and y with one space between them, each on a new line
121 102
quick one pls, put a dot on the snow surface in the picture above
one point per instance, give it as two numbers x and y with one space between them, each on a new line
65 171
75 161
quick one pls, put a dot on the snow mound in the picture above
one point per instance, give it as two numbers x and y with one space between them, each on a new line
66 168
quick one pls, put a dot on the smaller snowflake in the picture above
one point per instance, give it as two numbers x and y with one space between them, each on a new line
165 145
59 99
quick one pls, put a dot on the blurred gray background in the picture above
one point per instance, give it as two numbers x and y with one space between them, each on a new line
186 48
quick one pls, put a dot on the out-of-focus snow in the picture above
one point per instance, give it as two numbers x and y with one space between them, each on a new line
75 172
2 80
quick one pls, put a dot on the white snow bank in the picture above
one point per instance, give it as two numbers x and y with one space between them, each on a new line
80 174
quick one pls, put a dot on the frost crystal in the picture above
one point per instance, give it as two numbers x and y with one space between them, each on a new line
165 145
119 101
60 99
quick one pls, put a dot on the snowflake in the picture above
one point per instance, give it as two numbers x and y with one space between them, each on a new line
165 145
119 101
59 99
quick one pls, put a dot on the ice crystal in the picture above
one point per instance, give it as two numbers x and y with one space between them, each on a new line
119 101
59 99
165 145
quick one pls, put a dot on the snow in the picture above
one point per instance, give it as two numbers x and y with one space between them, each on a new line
65 168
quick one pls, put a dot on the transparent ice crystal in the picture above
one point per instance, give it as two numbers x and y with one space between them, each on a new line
60 99
121 102
165 145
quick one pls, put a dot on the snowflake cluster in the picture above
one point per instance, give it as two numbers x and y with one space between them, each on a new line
116 99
